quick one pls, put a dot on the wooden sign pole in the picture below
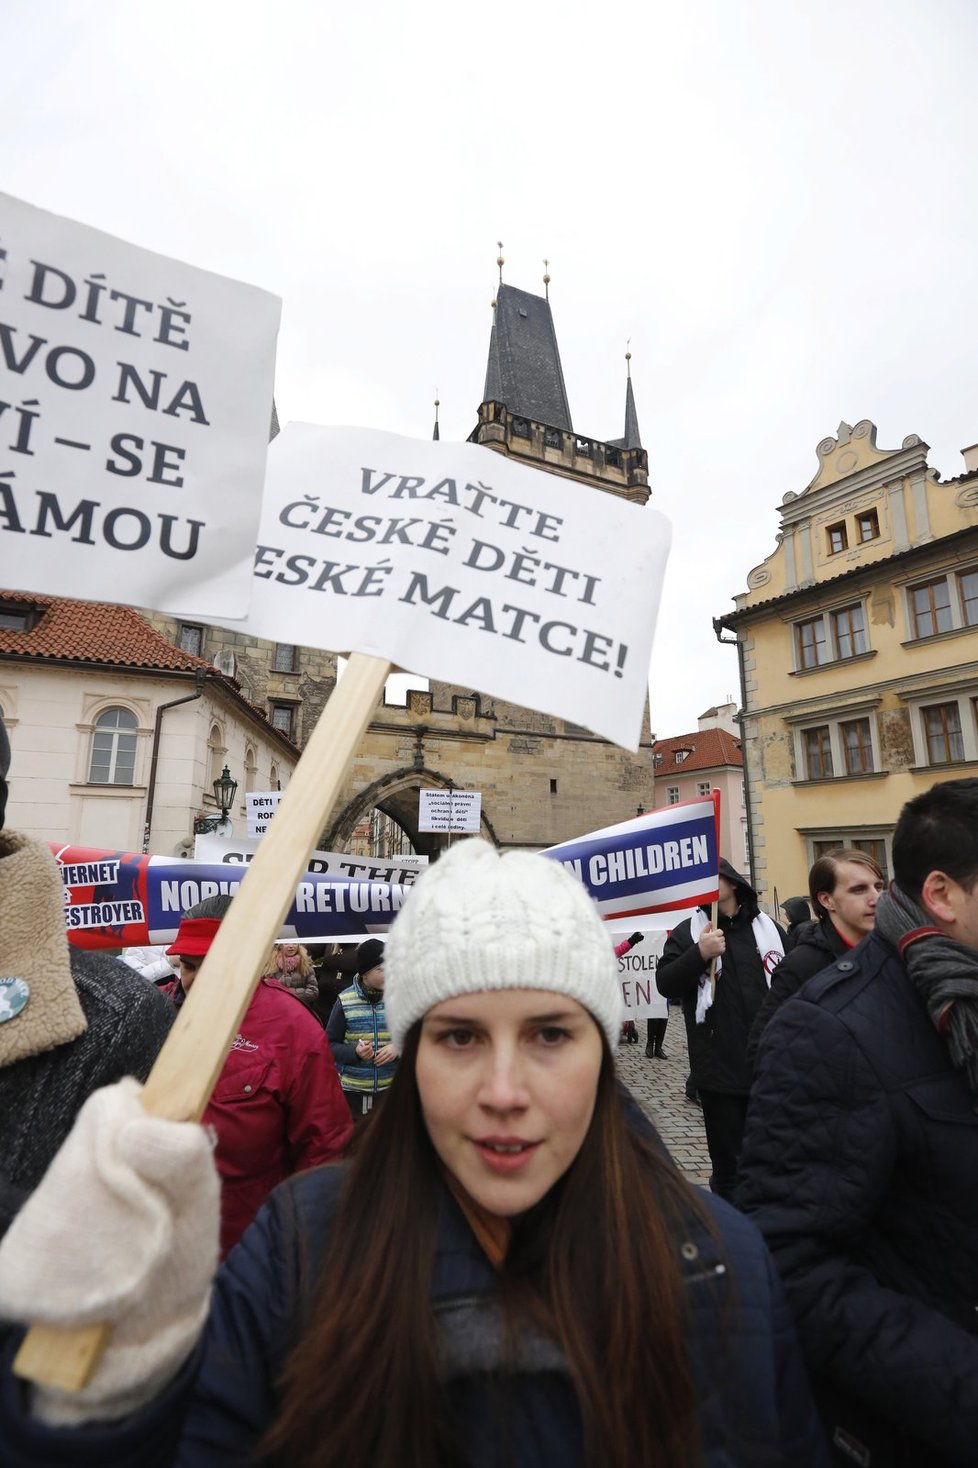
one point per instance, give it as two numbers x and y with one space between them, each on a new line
187 1067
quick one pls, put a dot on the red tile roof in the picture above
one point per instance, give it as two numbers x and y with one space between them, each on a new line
90 632
707 748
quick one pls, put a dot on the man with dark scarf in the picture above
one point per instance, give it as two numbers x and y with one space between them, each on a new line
860 1157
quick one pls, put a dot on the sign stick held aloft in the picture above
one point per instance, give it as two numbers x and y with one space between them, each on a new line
181 1081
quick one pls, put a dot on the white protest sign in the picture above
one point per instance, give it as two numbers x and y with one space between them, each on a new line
456 563
260 806
238 851
636 976
449 810
135 402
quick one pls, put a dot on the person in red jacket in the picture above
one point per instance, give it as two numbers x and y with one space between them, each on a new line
277 1107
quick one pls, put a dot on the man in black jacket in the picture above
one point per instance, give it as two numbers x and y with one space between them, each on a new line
860 1157
845 886
719 1008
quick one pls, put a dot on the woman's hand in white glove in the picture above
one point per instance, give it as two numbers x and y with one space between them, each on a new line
123 1228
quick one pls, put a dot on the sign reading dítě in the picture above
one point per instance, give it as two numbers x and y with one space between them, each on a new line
135 404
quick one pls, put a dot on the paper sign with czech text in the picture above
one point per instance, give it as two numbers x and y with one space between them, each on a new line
260 806
456 563
135 405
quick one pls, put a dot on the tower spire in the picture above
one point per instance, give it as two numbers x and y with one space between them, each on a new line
632 438
436 435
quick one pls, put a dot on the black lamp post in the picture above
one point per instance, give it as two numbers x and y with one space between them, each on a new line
225 789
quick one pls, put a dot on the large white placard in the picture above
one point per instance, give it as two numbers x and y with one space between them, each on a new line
456 563
135 404
449 810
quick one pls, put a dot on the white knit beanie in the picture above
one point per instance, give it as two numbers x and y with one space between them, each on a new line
476 921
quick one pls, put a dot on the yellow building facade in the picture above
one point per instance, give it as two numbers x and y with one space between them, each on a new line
858 648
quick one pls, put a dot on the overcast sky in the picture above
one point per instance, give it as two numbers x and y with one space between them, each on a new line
774 200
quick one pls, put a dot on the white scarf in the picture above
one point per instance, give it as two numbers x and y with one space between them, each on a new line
769 947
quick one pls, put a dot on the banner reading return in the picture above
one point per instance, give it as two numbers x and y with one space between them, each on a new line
135 403
121 899
456 563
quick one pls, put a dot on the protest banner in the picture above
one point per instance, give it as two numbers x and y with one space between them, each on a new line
135 406
449 810
260 806
645 871
123 899
460 564
240 849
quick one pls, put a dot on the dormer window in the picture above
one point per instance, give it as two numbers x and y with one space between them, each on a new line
18 616
868 526
838 538
682 754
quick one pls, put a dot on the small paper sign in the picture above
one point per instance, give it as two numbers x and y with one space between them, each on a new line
449 810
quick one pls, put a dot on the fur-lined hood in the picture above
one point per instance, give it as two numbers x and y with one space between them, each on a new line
34 948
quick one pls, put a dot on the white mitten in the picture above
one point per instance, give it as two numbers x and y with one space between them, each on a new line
122 1228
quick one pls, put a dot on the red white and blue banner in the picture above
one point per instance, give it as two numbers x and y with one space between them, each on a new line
122 899
641 873
644 871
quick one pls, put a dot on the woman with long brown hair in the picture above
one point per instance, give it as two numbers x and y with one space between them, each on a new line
510 1271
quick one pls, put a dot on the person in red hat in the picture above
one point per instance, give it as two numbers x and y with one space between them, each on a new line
277 1107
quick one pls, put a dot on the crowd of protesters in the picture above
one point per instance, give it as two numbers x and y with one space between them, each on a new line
506 1265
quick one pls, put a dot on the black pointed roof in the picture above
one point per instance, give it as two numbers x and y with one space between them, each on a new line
524 370
632 438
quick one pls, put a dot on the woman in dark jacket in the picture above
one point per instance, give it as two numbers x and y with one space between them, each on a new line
478 1287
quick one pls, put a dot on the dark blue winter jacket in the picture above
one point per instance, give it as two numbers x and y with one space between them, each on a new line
860 1165
756 1410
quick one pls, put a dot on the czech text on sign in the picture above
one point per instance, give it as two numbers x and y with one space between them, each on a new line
135 402
449 810
261 806
453 562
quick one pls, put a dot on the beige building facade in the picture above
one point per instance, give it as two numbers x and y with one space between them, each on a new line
858 646
116 738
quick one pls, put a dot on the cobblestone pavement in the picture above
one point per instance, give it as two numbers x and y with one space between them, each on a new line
658 1087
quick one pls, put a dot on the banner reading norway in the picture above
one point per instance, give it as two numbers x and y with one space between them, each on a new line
121 899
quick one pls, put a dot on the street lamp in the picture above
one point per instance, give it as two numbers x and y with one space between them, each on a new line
225 789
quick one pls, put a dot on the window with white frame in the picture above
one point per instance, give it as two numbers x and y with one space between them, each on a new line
113 755
831 637
943 604
857 840
944 723
672 793
841 746
943 734
703 787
